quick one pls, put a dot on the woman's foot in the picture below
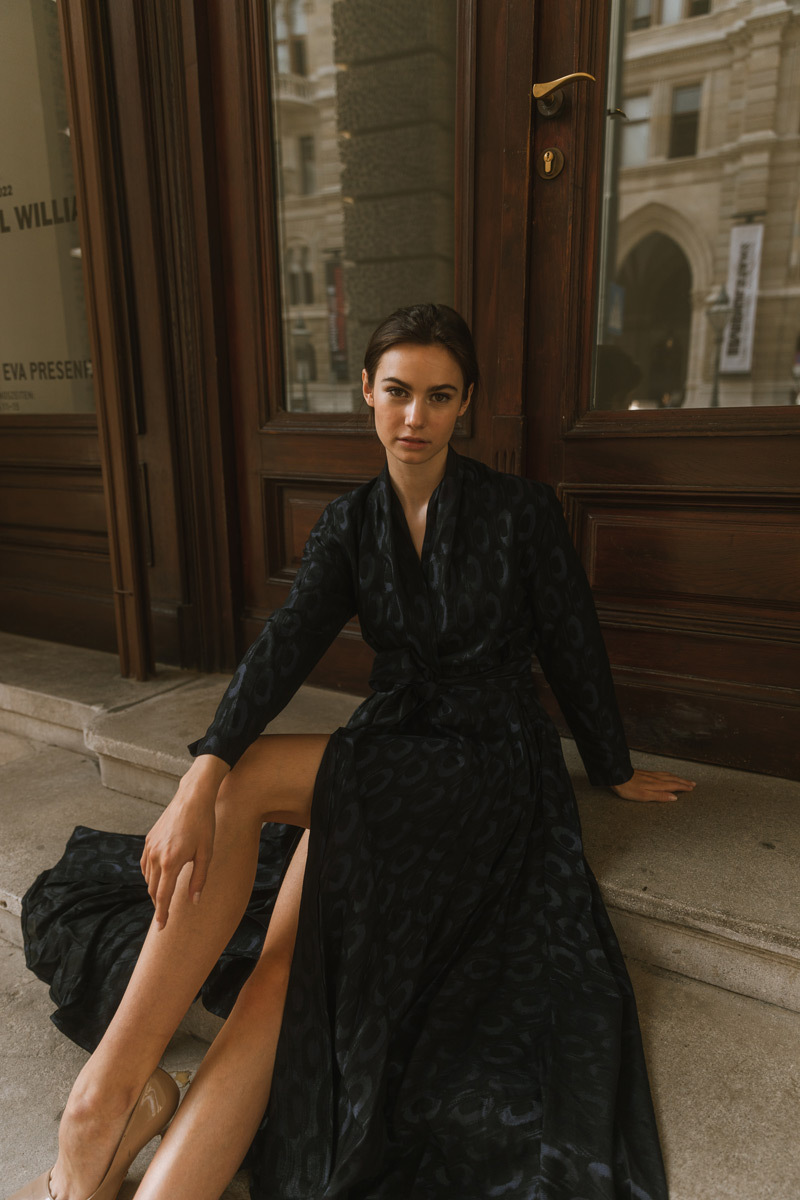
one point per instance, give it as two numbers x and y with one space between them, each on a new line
101 1133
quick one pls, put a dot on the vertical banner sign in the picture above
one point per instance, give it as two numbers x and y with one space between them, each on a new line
45 363
744 268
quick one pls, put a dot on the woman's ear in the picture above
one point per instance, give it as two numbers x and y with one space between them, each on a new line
366 389
465 403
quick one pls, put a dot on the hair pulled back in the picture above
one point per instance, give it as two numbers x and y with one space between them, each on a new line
425 325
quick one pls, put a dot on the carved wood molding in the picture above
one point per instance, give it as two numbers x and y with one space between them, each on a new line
762 603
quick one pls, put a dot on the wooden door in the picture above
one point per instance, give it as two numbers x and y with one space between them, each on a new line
665 413
368 157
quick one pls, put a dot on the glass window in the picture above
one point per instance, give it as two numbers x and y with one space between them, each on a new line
671 11
636 131
699 293
289 32
685 121
641 14
308 166
697 8
364 140
45 358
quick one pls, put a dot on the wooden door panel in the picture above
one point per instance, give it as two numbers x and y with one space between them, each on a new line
55 569
665 547
759 463
291 509
687 520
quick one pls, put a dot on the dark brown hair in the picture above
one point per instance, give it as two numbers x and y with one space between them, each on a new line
425 325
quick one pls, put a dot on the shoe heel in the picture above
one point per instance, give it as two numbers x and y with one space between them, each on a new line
152 1112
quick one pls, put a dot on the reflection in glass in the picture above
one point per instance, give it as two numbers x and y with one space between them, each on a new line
701 200
45 359
364 106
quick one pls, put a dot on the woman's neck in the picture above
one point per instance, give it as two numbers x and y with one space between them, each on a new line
415 483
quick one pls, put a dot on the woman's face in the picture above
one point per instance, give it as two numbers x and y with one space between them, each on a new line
417 397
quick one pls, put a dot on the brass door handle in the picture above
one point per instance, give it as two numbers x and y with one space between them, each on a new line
550 97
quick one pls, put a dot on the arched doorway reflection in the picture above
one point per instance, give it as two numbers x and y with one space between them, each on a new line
643 362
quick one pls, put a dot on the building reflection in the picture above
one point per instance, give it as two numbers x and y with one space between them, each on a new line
364 104
702 192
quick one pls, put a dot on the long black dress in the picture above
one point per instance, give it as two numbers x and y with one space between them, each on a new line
459 1022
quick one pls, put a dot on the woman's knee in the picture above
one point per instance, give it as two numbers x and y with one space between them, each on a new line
274 780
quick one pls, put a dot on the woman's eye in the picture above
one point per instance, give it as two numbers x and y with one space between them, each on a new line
395 391
441 396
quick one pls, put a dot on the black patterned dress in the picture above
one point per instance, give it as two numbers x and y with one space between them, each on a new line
459 1023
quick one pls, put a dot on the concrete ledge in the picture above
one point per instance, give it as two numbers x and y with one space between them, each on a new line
37 1069
719 959
42 798
142 751
707 885
52 692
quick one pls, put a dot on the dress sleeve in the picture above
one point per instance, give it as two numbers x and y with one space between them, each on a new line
289 646
571 650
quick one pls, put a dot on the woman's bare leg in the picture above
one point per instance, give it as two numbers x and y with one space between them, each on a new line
274 780
205 1144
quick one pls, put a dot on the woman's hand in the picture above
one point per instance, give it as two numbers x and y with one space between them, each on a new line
183 833
653 785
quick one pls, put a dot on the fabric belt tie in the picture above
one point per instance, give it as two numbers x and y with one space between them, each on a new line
393 673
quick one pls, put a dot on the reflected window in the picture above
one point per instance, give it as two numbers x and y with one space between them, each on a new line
301 275
364 149
289 23
685 121
45 357
671 11
699 279
641 14
636 131
308 166
698 8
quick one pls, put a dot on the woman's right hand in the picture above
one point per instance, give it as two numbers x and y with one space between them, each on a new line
183 833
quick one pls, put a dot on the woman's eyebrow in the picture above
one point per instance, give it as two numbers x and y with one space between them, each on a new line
439 386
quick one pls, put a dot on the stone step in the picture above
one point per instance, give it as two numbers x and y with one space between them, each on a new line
142 750
45 792
723 1068
53 693
705 887
37 1068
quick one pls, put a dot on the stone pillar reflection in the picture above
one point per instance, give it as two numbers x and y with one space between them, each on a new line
396 118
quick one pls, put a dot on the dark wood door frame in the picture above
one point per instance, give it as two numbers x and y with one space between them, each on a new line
167 158
90 95
143 140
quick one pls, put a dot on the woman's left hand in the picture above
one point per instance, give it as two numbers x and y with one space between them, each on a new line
653 785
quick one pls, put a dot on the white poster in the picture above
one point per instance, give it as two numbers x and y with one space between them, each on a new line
744 267
45 364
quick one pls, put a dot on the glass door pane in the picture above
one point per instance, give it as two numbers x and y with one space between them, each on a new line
45 358
364 112
699 302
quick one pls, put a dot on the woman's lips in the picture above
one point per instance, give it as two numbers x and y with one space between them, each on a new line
407 441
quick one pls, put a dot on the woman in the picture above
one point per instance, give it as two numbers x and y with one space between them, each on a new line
455 1017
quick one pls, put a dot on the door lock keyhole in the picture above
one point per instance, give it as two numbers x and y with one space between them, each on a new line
550 163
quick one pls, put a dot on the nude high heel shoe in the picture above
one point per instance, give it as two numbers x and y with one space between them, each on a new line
152 1111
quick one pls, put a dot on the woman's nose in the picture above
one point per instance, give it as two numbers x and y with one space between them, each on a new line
415 414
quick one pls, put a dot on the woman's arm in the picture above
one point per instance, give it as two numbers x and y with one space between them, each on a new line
573 657
292 641
294 638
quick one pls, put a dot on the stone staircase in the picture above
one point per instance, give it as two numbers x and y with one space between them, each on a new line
703 894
